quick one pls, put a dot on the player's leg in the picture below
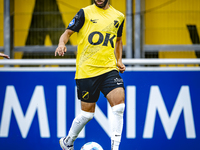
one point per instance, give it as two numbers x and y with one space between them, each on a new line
87 113
88 94
113 89
116 96
116 100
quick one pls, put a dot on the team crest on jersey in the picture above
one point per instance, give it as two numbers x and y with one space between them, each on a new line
85 95
116 23
72 22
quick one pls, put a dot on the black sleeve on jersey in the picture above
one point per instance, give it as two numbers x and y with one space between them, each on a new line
77 22
119 32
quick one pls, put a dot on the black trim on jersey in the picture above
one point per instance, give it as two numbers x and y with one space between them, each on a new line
79 21
119 32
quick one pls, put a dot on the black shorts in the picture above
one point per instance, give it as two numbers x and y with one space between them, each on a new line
89 89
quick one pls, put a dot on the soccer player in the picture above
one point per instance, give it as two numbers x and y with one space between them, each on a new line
4 55
98 63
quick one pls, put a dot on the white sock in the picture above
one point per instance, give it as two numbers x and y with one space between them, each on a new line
115 145
117 125
77 125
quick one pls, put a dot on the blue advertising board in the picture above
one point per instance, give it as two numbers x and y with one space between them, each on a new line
162 110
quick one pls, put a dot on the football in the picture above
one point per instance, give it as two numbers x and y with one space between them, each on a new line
91 146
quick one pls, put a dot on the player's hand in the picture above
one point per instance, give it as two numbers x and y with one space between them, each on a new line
61 50
4 55
121 66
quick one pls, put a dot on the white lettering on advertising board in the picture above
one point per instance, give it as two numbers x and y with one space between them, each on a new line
155 104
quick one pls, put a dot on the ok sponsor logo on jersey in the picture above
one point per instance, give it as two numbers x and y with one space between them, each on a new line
97 38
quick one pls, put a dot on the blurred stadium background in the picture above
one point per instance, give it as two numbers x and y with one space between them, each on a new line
30 29
38 98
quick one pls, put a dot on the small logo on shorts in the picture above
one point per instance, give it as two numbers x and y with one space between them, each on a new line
118 81
85 95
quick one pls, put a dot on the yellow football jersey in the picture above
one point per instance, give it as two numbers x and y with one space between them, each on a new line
96 40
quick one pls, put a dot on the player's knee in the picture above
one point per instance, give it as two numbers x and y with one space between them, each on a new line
119 109
88 115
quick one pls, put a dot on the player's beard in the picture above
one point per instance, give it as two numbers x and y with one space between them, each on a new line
102 5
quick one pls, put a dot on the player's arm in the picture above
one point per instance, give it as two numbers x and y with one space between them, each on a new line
118 53
4 55
64 38
74 26
119 49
